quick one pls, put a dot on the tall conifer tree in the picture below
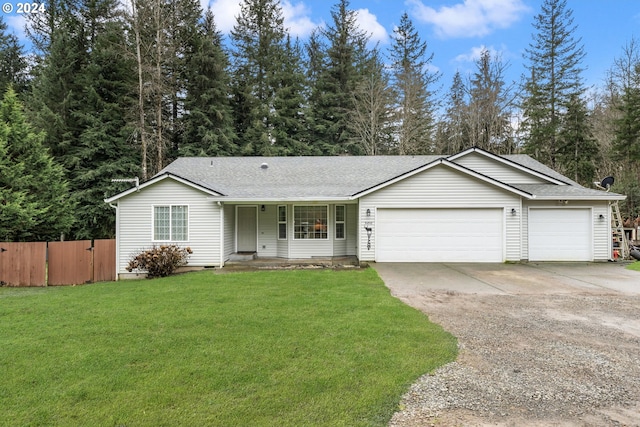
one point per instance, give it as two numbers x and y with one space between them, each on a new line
207 123
554 79
343 61
258 45
411 83
37 198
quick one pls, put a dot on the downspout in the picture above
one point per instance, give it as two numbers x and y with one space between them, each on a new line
221 207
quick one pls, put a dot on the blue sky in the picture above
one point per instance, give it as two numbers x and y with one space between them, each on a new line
456 30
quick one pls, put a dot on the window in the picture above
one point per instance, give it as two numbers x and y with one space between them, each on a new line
282 223
310 222
340 214
171 223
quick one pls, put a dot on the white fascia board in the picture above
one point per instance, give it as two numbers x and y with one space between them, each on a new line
506 162
452 165
158 179
263 200
603 198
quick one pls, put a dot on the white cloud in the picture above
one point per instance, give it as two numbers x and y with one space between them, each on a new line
475 52
471 18
297 20
225 12
16 25
368 22
296 16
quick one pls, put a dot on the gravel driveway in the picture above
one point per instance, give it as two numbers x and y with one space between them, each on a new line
540 344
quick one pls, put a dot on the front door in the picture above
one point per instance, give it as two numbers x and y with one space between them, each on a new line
247 231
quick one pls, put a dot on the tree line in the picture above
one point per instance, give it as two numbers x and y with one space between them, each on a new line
117 89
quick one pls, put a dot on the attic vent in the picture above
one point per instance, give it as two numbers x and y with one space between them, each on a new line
264 166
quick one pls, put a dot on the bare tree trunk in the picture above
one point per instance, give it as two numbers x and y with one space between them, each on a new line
141 112
159 124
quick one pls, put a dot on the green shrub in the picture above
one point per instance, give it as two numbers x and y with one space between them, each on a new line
160 261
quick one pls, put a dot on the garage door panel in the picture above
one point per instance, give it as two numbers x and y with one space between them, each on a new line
560 235
436 235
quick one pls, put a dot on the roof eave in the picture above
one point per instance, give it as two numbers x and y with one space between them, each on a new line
293 199
603 198
159 178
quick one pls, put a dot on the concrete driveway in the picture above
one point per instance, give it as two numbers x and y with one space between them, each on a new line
508 279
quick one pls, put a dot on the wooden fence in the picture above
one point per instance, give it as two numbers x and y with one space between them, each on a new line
57 263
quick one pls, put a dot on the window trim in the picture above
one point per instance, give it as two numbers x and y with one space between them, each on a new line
326 207
343 222
286 228
153 222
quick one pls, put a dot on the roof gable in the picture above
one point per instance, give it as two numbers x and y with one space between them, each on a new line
507 169
159 178
446 163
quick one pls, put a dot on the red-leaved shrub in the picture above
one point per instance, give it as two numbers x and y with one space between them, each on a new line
160 261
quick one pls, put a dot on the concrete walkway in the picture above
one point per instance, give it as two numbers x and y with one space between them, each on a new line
510 279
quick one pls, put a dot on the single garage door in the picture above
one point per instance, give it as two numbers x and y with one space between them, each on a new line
560 235
438 235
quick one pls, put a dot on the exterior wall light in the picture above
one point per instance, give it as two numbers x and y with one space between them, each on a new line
368 212
601 217
513 211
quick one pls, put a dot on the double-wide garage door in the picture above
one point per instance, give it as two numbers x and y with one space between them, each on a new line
439 235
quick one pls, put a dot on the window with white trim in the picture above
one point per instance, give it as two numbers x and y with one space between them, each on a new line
171 223
282 223
340 221
310 222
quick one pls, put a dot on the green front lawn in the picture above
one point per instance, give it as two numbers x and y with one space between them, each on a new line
276 348
635 266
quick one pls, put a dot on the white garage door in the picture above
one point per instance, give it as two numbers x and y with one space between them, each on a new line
436 235
560 235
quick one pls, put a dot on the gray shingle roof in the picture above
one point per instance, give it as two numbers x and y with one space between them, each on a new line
566 192
290 178
293 177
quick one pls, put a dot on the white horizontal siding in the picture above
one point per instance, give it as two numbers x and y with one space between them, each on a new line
441 187
352 230
136 217
229 230
497 170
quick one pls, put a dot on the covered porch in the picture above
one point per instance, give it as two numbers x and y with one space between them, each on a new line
283 231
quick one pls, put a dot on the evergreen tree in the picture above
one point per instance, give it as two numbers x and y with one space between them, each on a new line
554 80
33 185
81 99
57 93
454 136
18 211
290 127
102 151
411 83
258 41
334 88
13 64
578 150
207 123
